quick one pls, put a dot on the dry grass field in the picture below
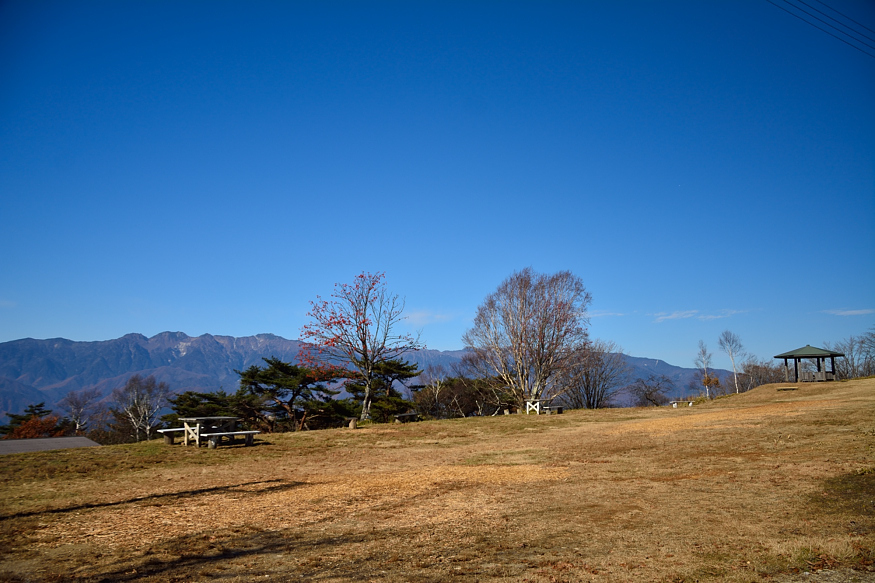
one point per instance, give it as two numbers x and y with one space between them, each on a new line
772 485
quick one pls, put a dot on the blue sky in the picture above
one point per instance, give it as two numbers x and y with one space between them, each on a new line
211 167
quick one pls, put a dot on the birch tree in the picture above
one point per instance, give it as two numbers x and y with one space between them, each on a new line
82 406
358 328
433 387
730 343
527 331
703 363
139 401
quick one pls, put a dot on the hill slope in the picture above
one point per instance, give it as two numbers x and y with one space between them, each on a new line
755 487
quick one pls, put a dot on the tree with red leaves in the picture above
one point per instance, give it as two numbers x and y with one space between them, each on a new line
36 427
357 328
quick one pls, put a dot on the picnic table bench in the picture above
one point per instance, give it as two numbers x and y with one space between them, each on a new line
543 405
214 439
213 430
168 434
406 417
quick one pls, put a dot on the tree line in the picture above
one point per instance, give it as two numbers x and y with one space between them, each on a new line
529 341
749 371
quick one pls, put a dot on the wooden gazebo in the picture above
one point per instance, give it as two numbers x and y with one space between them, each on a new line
809 352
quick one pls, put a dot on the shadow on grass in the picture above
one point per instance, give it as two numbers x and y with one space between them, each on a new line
279 486
311 556
197 556
851 494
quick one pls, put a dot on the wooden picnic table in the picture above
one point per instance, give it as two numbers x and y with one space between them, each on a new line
213 430
195 427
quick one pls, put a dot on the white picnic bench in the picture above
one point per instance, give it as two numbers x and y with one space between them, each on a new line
542 406
213 430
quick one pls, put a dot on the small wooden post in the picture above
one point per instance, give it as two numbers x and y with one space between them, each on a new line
353 423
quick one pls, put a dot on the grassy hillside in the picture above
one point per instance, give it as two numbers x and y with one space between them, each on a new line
766 485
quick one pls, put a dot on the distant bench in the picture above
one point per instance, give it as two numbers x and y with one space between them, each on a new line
544 406
216 438
406 417
552 409
674 404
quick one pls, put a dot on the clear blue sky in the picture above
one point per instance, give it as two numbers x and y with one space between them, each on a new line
211 167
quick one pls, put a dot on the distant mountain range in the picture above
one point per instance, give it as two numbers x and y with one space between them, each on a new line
34 371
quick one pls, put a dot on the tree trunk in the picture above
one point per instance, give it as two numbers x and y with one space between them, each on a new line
366 402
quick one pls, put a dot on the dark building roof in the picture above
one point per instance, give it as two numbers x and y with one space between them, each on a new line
809 352
43 444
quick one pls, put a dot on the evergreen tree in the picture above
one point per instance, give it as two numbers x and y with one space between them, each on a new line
250 408
386 399
285 391
37 411
195 404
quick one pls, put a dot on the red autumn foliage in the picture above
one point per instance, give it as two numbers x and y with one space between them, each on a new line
357 329
37 427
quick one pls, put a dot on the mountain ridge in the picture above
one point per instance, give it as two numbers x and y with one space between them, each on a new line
33 370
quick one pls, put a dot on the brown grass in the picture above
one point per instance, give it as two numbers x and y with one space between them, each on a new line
766 485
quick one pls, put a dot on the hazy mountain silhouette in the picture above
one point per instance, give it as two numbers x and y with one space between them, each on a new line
32 370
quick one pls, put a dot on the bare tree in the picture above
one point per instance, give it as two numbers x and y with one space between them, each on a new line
703 363
858 360
358 327
82 406
594 376
527 331
755 372
869 346
139 401
433 388
651 391
730 343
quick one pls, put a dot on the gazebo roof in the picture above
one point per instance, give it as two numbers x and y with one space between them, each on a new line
809 352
